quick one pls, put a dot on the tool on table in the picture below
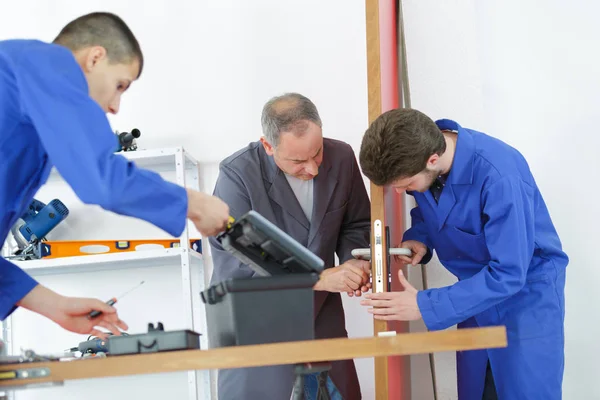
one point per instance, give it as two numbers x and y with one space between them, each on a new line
93 345
112 301
126 140
34 224
28 356
155 340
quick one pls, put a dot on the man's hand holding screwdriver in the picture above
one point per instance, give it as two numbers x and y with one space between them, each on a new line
209 213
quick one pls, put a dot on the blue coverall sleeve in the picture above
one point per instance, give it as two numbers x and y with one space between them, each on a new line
509 234
14 285
418 232
76 134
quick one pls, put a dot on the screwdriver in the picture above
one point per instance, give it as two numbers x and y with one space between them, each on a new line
230 222
112 301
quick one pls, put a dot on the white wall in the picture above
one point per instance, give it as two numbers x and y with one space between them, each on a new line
526 72
520 70
211 65
209 68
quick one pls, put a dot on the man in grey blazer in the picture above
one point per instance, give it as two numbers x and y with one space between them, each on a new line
310 187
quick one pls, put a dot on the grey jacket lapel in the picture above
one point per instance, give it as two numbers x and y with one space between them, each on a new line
324 187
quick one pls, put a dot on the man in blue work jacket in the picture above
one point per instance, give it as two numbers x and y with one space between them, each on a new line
53 104
479 208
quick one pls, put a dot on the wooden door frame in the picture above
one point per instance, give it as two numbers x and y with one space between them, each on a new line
383 95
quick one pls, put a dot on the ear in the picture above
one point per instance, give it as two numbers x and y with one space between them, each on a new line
433 160
268 147
94 55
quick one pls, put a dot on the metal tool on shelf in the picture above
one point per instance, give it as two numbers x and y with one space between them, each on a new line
35 223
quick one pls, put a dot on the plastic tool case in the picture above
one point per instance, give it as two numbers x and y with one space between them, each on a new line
278 305
156 340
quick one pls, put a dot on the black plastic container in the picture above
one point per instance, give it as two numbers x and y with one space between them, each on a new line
260 310
156 340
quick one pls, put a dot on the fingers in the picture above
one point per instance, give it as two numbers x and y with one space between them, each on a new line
97 305
354 278
209 214
404 259
359 273
417 259
375 303
404 282
208 231
122 325
364 265
111 327
381 311
99 334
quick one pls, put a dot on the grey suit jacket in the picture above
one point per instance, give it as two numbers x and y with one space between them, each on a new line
250 180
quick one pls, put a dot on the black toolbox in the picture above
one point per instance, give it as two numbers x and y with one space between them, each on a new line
278 305
156 340
260 310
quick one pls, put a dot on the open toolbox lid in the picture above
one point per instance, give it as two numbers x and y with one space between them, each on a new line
267 249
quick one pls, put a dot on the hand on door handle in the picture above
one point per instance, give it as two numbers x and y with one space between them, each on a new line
418 251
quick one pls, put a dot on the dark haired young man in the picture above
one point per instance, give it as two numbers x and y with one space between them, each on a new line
479 208
53 103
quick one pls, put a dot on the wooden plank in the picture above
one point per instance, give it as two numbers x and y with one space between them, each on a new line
377 192
267 354
381 363
373 59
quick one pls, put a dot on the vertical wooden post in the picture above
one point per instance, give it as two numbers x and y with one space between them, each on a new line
377 192
392 375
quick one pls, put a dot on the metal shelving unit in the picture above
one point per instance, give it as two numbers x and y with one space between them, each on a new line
186 170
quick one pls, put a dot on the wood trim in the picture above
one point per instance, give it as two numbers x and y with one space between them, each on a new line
377 192
373 59
381 363
263 355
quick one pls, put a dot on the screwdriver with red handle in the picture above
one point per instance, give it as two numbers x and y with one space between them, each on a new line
112 301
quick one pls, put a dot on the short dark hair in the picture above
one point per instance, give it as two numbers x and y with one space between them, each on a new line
398 144
287 112
106 30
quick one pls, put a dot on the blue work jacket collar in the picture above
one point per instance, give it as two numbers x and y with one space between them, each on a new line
461 172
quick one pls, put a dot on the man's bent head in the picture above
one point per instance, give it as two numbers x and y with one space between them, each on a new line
108 53
292 135
402 148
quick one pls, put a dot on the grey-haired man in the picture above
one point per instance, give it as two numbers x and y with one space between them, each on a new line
312 188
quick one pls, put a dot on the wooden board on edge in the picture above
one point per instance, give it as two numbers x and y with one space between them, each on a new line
263 355
377 192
